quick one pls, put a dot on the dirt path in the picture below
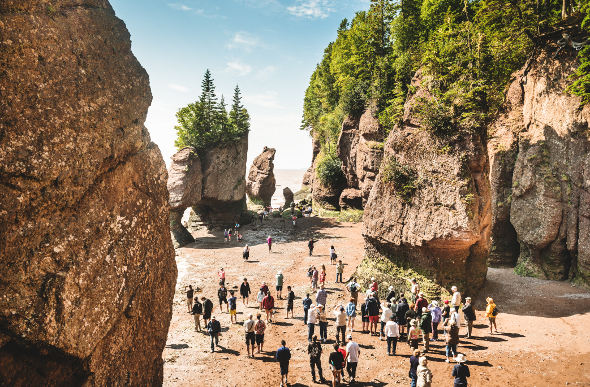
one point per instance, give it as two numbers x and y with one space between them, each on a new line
542 324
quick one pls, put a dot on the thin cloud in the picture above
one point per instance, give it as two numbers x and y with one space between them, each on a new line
244 41
268 100
180 7
238 68
311 9
266 72
179 88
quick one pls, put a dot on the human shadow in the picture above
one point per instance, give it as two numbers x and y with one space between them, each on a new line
228 351
494 339
177 346
282 323
479 363
511 335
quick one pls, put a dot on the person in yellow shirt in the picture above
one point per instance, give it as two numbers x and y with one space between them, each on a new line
491 313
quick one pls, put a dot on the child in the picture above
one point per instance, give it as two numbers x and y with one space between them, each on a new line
232 307
365 317
290 300
225 235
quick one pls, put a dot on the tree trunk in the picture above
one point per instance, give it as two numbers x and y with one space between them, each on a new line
566 9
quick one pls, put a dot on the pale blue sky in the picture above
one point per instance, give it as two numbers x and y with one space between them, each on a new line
269 47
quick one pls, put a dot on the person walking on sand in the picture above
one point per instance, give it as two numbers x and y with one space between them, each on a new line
386 314
225 233
283 356
310 246
222 296
340 322
207 310
269 243
245 291
424 375
461 371
279 285
312 318
306 305
268 304
323 322
259 297
414 334
492 313
351 314
246 252
446 312
364 317
451 339
259 329
414 289
373 313
321 296
333 255
290 301
414 363
353 288
426 327
456 299
221 275
214 330
314 350
400 313
189 297
353 352
197 311
250 335
392 334
436 316
469 315
336 360
339 271
323 276
314 278
233 306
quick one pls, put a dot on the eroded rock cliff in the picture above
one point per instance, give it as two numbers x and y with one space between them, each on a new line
88 272
261 179
429 208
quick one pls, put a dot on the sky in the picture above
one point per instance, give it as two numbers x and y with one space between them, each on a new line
267 47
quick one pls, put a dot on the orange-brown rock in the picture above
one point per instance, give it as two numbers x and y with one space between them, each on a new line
87 269
261 179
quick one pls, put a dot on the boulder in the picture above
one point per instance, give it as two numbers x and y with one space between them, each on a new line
288 195
261 178
351 198
429 208
546 196
88 271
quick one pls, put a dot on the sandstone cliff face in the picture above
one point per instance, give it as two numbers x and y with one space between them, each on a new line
441 227
88 271
261 178
310 173
550 184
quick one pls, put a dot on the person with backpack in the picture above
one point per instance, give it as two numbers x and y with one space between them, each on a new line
314 350
354 288
426 326
469 315
214 329
491 314
197 311
333 255
207 310
350 314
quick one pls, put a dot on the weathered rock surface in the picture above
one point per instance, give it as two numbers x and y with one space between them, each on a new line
549 190
261 178
310 173
351 198
88 272
442 228
326 197
288 196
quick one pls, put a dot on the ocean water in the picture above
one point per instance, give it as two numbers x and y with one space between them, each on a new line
291 178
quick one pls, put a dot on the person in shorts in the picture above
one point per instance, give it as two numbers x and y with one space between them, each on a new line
222 296
259 329
189 297
207 310
290 301
279 285
283 356
232 304
250 335
336 361
373 313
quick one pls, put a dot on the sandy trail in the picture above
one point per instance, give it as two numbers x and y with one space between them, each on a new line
543 340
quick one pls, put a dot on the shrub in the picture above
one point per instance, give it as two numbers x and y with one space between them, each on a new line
329 171
402 177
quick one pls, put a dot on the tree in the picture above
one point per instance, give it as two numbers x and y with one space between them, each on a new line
238 116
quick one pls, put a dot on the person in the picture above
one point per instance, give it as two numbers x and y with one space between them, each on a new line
400 313
310 274
259 329
240 239
461 371
373 313
221 275
314 278
365 317
293 208
321 296
260 217
491 313
245 291
333 255
225 234
339 271
415 289
229 234
424 375
451 339
323 276
392 334
306 304
351 314
456 299
414 334
232 304
250 335
469 314
207 310
446 312
414 362
222 295
294 220
323 322
290 301
197 311
353 352
312 318
279 286
353 288
246 252
268 304
314 350
374 286
259 297
426 327
310 246
283 356
342 350
410 316
336 360
386 314
436 316
264 288
390 295
340 315
189 297
214 329
269 243
455 316
421 303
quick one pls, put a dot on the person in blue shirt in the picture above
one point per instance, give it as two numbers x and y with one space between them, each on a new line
232 304
283 356
306 304
461 371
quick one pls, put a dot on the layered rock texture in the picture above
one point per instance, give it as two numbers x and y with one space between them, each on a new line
261 178
288 196
540 173
88 272
430 205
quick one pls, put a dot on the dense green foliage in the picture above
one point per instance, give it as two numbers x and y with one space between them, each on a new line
581 85
329 170
206 122
403 178
467 50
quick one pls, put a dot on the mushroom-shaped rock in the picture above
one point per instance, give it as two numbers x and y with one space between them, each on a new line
288 195
261 178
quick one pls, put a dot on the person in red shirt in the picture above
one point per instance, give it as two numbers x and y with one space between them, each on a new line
374 285
221 275
421 302
268 304
342 350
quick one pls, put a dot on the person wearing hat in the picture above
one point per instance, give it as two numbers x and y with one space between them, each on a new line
268 304
279 286
214 329
461 371
414 362
451 339
353 352
456 299
491 313
426 327
374 285
446 312
436 315
469 314
414 334
424 375
390 295
314 350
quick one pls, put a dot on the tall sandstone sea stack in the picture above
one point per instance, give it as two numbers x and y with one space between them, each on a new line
429 208
87 269
261 179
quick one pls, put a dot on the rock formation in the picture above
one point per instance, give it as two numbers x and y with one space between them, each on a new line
541 173
88 272
261 178
288 196
429 208
310 173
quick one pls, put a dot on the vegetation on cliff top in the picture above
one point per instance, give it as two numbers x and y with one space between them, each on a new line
206 123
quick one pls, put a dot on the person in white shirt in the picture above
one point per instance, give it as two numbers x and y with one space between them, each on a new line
456 299
385 317
392 334
312 317
249 331
340 315
415 290
352 358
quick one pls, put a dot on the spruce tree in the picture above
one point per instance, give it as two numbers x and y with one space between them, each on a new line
238 115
